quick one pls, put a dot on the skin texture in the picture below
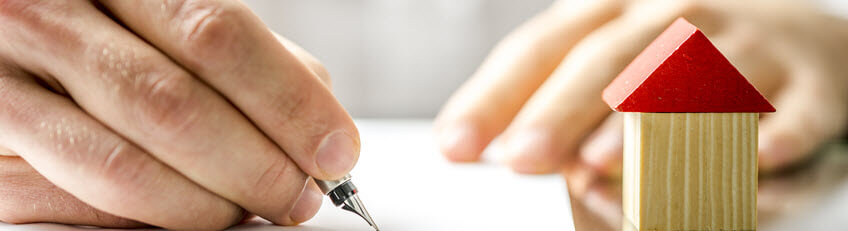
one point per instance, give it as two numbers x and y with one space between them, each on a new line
539 90
178 114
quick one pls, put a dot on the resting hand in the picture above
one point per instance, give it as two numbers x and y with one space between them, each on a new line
540 88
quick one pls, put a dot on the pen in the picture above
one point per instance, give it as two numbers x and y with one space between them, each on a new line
343 193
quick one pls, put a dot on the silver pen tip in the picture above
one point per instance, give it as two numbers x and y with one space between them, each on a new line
354 204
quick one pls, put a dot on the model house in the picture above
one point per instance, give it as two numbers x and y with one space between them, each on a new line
690 136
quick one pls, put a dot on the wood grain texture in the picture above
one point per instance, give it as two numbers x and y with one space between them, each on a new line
690 171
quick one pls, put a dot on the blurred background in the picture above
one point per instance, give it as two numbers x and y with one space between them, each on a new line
404 58
391 58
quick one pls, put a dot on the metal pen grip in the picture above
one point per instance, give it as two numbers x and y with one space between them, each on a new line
327 186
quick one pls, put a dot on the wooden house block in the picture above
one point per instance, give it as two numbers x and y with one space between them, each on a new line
690 136
690 171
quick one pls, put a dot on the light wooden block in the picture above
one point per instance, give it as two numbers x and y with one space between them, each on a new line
690 171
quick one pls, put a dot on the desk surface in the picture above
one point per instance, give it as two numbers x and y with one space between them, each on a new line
407 185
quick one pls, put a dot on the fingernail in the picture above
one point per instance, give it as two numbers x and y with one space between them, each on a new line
307 206
458 143
336 154
531 152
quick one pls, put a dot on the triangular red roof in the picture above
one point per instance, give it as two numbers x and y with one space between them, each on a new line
681 71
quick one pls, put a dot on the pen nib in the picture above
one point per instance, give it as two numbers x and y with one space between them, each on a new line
355 205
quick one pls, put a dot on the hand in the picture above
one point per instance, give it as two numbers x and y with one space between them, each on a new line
540 89
179 114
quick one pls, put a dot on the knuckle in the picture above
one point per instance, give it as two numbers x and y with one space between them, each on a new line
264 186
209 26
168 102
121 166
281 180
130 175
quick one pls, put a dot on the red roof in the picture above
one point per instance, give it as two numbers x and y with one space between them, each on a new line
681 71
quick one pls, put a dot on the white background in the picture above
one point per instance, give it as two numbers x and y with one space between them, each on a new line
403 58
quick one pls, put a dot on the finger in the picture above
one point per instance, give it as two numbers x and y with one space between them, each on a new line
306 58
553 122
83 157
138 92
27 197
811 109
483 107
602 149
741 43
227 46
6 152
308 203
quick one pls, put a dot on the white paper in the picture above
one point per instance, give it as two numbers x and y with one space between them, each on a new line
407 185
